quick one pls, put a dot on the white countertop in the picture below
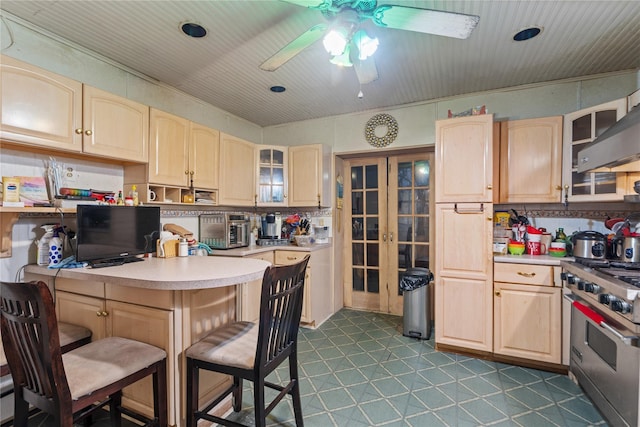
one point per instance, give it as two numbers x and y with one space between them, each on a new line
177 273
531 259
255 249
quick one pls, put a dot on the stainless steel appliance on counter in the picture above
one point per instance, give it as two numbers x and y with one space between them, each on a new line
224 230
605 335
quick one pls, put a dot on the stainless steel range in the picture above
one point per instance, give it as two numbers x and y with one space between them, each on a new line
605 335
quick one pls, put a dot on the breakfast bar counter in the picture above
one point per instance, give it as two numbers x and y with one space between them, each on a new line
175 274
167 302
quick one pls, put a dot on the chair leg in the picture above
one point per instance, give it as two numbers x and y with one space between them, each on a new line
237 394
258 401
20 411
192 392
114 409
295 391
160 393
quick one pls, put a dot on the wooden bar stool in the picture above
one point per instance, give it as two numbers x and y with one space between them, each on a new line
252 351
72 386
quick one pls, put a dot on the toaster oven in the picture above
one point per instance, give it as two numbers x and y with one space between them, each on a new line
224 230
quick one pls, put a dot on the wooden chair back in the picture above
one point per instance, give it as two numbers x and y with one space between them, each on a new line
280 312
32 344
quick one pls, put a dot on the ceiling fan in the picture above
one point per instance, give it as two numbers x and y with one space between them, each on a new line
355 48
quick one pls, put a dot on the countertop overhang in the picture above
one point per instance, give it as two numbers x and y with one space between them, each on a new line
177 273
531 259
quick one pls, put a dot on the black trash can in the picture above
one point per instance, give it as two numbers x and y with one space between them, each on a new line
414 285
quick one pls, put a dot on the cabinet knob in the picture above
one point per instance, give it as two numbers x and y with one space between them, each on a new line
559 187
79 131
88 132
497 293
105 313
186 172
98 313
489 187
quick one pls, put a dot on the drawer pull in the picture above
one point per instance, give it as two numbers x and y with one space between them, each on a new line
291 258
520 273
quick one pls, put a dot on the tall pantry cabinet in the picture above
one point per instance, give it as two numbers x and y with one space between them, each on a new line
464 232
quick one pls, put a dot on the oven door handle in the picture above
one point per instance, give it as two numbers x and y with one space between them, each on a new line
599 320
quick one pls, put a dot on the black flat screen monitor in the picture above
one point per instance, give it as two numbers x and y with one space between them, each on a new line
116 233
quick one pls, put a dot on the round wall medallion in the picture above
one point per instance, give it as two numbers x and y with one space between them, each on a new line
383 123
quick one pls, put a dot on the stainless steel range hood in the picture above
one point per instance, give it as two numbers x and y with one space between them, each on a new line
618 145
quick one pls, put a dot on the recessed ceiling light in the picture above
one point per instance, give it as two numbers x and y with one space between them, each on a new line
193 30
277 89
527 33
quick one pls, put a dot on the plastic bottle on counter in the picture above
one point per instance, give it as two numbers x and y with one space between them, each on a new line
134 195
120 200
560 235
43 244
55 249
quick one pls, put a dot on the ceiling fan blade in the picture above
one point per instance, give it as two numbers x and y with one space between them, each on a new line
366 70
305 40
428 21
311 4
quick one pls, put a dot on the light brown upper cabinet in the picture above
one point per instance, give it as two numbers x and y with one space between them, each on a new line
310 175
580 128
237 172
464 164
181 151
114 127
531 160
43 109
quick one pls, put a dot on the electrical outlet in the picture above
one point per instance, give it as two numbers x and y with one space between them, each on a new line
70 175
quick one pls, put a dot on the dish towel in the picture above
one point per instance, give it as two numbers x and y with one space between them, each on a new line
69 262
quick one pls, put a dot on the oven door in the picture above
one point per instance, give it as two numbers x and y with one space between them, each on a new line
606 365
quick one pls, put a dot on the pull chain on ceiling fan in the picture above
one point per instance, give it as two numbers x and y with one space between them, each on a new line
347 15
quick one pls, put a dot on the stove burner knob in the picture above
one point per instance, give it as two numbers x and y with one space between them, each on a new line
580 285
606 298
591 288
571 279
621 306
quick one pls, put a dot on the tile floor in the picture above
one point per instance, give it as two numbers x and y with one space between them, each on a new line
358 370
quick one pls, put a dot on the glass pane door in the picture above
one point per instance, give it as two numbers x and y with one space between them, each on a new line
410 186
367 187
389 214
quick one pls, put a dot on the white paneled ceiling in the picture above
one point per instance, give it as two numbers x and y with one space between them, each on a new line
579 38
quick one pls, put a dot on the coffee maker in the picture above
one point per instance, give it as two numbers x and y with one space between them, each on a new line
271 225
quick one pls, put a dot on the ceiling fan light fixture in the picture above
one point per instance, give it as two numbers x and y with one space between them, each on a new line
342 60
367 46
335 41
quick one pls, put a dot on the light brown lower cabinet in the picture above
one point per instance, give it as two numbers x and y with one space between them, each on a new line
171 320
527 317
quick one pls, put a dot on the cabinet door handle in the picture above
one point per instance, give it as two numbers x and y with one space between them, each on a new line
88 132
79 131
520 273
384 237
391 237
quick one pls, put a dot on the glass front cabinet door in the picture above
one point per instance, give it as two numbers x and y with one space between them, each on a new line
272 173
580 128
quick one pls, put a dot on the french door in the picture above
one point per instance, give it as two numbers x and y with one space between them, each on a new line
387 207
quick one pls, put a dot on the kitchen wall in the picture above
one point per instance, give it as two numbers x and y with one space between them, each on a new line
416 122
